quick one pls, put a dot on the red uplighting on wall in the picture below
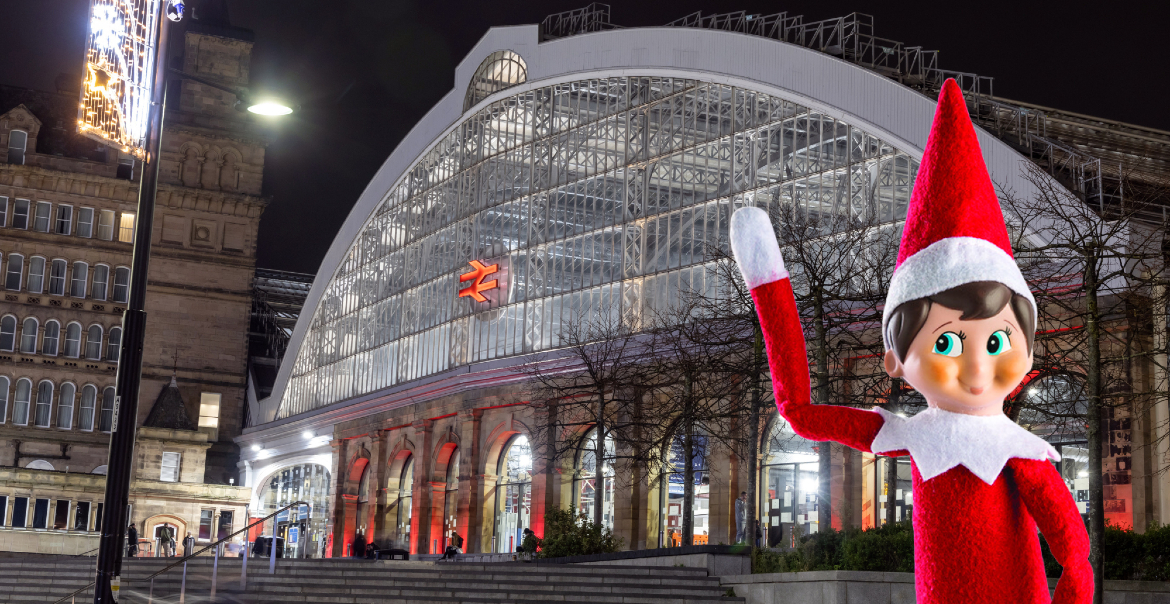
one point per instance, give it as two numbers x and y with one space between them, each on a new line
478 286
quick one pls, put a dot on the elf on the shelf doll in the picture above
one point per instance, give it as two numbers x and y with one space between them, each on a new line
959 324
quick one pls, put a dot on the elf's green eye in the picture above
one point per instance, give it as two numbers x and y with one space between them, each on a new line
949 344
998 343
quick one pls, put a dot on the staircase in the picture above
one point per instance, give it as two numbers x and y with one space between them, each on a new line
44 579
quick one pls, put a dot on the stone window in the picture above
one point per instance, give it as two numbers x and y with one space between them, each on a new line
17 142
3 399
28 336
43 217
19 512
61 515
8 333
3 210
23 396
209 414
40 513
225 524
93 343
36 275
65 406
170 467
88 402
126 228
121 284
3 509
114 344
15 270
64 220
105 230
84 222
78 279
101 279
51 338
57 272
205 517
20 214
73 340
107 421
44 408
81 516
125 167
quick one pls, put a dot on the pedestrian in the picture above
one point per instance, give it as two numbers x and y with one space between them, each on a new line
188 544
131 541
166 542
741 528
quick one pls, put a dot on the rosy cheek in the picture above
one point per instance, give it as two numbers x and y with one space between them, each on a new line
1010 368
938 369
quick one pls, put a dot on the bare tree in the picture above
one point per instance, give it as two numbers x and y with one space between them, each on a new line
594 382
1091 268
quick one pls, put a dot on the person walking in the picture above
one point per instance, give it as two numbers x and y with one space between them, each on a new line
131 541
166 542
741 528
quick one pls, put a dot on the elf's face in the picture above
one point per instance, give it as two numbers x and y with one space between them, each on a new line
965 366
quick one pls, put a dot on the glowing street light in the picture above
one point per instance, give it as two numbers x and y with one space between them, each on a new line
270 108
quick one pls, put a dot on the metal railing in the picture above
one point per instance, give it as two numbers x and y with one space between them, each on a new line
214 547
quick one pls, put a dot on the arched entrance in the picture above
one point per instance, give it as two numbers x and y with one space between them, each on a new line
585 491
302 529
513 495
150 539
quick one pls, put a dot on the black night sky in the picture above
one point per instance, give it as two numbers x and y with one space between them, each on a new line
364 71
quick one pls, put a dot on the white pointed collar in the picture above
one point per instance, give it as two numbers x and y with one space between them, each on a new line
940 440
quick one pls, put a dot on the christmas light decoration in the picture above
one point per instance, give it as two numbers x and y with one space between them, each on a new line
119 65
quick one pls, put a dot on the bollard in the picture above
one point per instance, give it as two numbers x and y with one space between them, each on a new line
272 555
150 598
244 566
214 570
183 586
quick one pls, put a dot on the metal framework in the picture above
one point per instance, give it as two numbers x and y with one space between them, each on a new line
599 194
277 299
594 17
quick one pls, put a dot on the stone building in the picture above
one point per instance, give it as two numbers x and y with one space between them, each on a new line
593 169
67 218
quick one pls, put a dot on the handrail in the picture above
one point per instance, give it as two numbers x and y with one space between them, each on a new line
89 552
184 559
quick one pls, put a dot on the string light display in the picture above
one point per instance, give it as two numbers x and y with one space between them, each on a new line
119 64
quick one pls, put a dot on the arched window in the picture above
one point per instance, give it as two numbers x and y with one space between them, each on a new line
789 468
306 482
101 279
65 406
107 421
8 333
15 273
451 500
100 470
501 69
28 336
114 344
405 492
57 270
93 343
40 464
17 143
23 397
72 340
79 279
36 275
121 284
673 493
44 408
88 403
584 482
513 494
3 399
51 338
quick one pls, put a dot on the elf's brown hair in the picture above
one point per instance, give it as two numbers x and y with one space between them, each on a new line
976 300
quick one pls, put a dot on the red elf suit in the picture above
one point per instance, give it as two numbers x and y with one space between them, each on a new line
982 484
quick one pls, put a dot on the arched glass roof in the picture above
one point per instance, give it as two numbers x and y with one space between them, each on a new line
590 194
501 69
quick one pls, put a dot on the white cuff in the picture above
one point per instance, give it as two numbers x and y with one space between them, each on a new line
754 245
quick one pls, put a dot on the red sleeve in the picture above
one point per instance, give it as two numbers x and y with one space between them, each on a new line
788 361
1048 500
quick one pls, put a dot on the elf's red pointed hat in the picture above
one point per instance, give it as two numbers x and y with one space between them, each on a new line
954 232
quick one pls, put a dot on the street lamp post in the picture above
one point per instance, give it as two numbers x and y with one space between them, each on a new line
120 467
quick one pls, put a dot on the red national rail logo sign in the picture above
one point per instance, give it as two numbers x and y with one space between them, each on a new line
478 285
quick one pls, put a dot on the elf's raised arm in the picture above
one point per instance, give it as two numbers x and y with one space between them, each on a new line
758 255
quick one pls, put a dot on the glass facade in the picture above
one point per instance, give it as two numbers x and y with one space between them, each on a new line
303 528
788 486
584 487
592 194
674 495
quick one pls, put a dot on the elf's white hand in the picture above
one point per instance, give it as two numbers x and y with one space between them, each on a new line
753 243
